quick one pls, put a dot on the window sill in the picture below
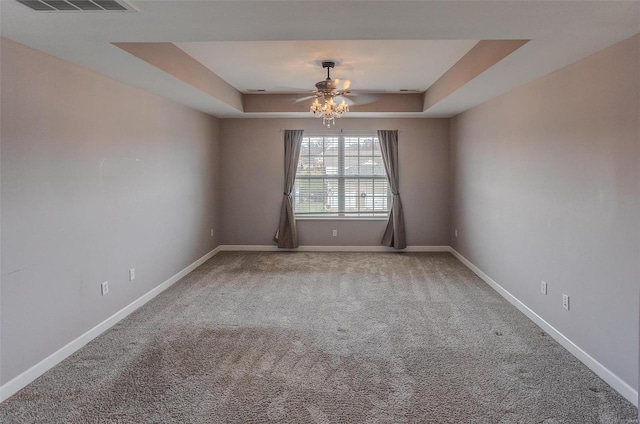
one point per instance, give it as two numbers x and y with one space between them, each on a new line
342 218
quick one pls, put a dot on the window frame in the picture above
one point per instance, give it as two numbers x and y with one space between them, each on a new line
342 178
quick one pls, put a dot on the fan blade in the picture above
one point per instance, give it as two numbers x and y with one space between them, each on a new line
360 91
347 100
342 84
302 99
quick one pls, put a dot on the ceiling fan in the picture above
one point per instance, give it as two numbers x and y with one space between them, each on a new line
326 91
324 106
328 87
331 87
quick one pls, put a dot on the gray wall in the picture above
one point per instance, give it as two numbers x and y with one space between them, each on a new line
252 167
97 178
546 186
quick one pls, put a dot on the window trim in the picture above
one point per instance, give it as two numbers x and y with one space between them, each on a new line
344 216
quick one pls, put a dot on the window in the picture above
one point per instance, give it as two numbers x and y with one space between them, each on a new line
341 176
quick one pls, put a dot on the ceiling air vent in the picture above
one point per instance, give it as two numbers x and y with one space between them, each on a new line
77 5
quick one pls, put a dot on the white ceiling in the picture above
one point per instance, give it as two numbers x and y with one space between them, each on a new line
290 66
263 44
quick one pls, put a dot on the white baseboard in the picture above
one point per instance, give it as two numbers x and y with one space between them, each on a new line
603 372
274 248
17 383
14 385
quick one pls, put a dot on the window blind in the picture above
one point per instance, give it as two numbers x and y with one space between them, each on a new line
341 176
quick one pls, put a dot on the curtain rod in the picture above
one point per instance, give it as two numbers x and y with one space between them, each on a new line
334 131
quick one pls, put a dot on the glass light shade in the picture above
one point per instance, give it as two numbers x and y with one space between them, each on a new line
328 111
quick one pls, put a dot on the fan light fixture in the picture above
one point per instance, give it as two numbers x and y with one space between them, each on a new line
326 91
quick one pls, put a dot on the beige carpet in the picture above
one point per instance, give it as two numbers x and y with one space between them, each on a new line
323 338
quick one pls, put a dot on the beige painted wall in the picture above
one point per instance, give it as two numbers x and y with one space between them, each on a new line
546 186
252 166
97 177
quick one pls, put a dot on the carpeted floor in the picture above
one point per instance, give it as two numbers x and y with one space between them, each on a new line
323 338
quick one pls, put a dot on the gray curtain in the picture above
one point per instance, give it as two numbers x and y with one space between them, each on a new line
287 234
394 235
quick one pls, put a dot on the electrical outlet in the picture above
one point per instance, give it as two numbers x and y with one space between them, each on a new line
456 232
132 274
104 288
565 301
543 287
335 233
212 232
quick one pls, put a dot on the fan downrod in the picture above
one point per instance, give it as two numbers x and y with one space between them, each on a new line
329 65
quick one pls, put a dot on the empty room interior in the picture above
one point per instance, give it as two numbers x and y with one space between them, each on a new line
319 211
